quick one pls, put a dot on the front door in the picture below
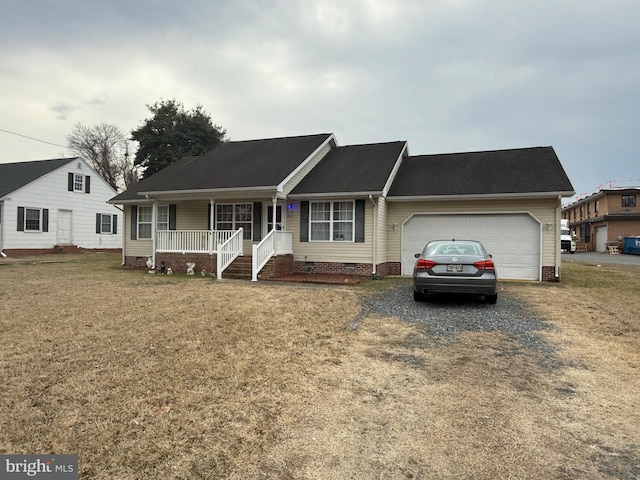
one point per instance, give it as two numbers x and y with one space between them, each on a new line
270 218
64 227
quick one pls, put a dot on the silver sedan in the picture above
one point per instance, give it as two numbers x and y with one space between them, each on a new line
455 266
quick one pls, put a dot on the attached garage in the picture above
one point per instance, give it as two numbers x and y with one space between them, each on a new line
512 238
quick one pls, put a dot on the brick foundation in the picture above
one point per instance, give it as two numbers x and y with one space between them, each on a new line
58 249
549 274
358 269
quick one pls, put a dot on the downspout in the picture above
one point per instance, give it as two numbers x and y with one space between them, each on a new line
2 254
375 234
154 213
555 229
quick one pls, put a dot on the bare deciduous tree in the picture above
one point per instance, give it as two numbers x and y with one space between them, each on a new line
106 148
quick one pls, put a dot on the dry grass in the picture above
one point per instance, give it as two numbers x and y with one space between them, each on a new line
155 377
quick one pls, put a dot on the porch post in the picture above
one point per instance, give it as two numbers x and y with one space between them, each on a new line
154 221
212 216
274 202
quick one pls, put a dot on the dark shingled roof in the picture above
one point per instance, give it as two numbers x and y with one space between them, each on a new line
242 164
16 175
518 171
353 168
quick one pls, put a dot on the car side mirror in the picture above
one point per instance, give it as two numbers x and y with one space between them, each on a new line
417 255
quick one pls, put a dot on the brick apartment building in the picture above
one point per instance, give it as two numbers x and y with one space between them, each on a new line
605 217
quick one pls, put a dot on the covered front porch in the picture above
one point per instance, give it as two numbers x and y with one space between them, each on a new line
222 246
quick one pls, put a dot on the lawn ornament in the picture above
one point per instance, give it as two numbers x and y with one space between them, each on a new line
190 267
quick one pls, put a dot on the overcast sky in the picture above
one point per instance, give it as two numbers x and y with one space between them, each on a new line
444 75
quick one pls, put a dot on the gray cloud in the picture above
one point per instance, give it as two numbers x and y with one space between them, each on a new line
446 75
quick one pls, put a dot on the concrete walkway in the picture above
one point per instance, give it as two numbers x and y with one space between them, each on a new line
594 258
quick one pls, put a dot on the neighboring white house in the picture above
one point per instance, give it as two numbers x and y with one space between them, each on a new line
55 205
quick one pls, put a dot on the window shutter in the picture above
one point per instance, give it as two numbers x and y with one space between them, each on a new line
172 217
257 221
359 221
98 222
304 221
87 184
134 222
70 182
209 217
115 224
45 219
21 219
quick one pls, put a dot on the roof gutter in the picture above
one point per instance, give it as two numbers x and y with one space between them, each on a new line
479 196
303 196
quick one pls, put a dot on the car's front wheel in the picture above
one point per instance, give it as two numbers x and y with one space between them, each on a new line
492 299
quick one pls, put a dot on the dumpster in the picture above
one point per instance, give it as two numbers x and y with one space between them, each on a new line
631 245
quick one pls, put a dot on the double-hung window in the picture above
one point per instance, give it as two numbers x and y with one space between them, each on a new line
78 182
162 222
332 221
232 216
145 216
106 223
32 219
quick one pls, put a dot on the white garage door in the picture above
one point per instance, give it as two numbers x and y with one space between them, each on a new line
512 239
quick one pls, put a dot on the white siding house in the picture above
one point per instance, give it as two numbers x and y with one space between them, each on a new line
54 205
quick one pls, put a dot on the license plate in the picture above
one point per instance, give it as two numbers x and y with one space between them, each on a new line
454 268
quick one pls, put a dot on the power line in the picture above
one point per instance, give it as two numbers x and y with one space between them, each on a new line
34 139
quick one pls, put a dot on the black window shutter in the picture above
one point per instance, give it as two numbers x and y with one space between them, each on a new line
257 221
70 182
172 217
360 221
115 224
87 184
21 219
98 222
45 219
209 217
134 222
304 221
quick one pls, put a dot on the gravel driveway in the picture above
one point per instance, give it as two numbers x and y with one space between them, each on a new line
446 316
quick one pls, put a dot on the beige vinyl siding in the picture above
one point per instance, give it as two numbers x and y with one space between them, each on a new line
293 181
134 248
341 252
382 253
543 210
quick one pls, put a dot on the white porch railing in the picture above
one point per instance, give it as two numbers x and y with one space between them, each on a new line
228 251
275 242
191 241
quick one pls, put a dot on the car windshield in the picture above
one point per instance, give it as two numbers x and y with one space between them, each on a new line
453 248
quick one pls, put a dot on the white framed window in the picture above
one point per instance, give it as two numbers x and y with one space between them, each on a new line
78 183
106 224
145 216
32 219
232 216
162 222
332 221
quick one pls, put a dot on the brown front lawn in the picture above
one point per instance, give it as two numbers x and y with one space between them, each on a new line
174 377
